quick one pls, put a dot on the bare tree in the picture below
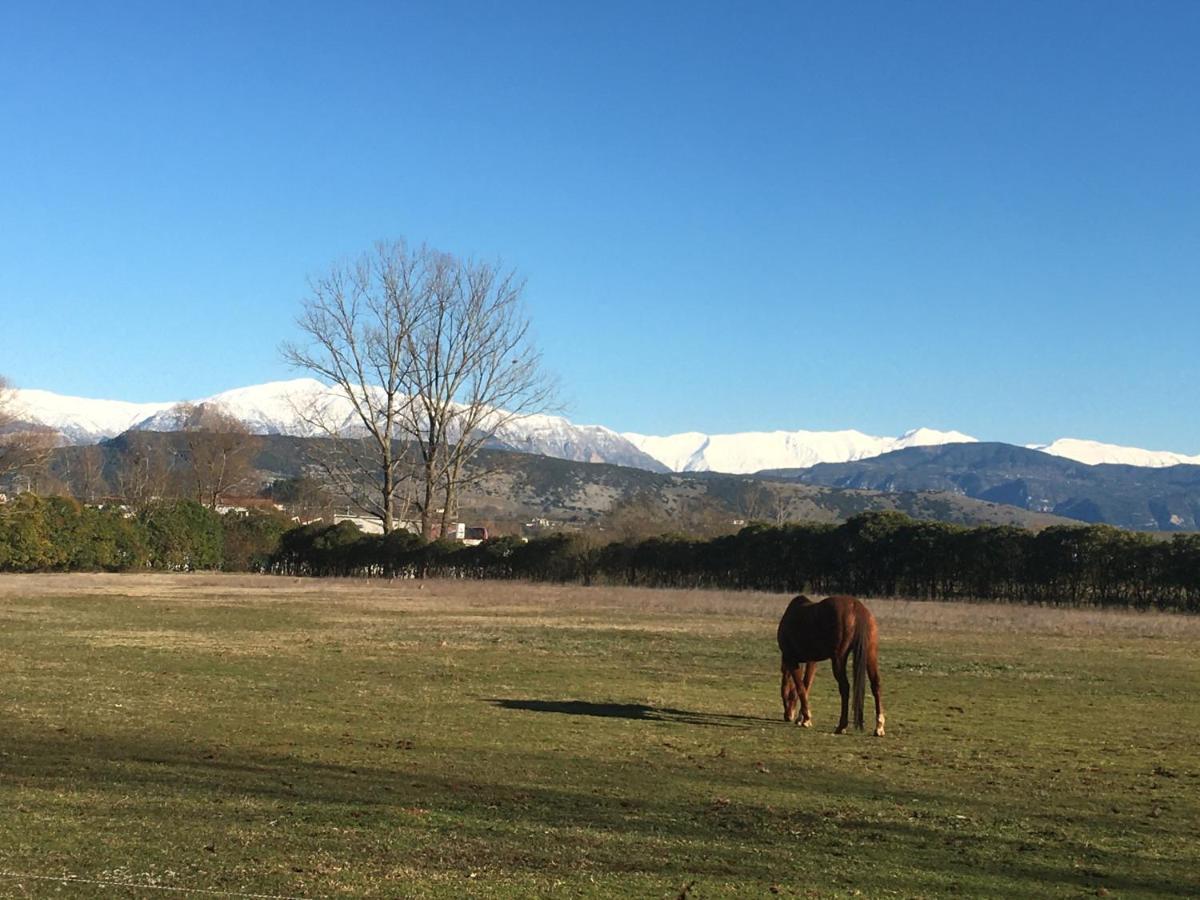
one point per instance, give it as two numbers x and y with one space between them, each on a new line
637 517
757 501
751 500
356 321
473 372
303 496
82 470
782 506
143 469
24 447
220 451
89 482
432 357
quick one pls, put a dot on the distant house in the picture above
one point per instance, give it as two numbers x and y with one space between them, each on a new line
462 533
455 531
366 524
245 505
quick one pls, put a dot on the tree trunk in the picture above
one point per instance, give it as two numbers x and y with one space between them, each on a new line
430 488
389 490
450 498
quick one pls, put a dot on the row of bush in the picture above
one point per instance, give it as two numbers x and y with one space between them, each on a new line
56 534
873 554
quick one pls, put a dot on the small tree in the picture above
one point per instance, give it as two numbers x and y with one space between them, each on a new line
143 469
219 451
24 447
302 496
86 476
249 541
182 534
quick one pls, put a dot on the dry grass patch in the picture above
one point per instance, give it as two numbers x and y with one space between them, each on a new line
344 600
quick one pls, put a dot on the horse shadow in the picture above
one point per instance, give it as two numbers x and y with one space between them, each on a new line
637 711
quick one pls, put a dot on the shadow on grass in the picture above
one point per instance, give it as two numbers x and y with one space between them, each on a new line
492 811
639 711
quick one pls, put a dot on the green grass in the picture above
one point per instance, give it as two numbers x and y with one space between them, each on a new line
271 736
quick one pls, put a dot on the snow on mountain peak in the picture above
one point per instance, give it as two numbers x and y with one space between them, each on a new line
926 437
675 451
79 419
749 452
1094 453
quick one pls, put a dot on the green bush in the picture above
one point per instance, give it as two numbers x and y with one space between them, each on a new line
249 542
182 535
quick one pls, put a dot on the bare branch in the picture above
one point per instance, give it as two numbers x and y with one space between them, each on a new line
24 446
426 351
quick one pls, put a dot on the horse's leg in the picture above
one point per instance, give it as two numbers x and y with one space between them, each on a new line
843 681
800 689
810 672
873 676
787 691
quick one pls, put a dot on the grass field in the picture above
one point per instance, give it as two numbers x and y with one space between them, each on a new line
339 738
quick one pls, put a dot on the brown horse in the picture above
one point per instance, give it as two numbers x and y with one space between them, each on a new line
832 629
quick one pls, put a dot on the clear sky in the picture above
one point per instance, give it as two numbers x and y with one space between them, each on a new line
738 216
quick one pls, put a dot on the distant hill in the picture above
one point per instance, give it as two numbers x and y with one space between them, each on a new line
1135 497
522 486
577 492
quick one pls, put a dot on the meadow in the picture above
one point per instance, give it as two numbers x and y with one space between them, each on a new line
200 735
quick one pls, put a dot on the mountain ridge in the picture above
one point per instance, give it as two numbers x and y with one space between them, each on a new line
1165 498
272 408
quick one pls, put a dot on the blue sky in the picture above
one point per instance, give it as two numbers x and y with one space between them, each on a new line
981 216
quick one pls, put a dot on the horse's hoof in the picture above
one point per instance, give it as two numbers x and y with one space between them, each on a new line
878 732
806 723
841 729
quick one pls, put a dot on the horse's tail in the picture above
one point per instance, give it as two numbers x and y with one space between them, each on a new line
861 629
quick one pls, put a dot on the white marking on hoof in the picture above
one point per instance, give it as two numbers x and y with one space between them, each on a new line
806 723
879 726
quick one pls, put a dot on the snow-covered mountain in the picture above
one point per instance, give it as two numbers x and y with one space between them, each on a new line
288 407
757 450
81 420
560 438
281 407
1094 453
277 407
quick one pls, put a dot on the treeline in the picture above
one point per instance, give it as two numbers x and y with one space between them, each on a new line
58 534
879 554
